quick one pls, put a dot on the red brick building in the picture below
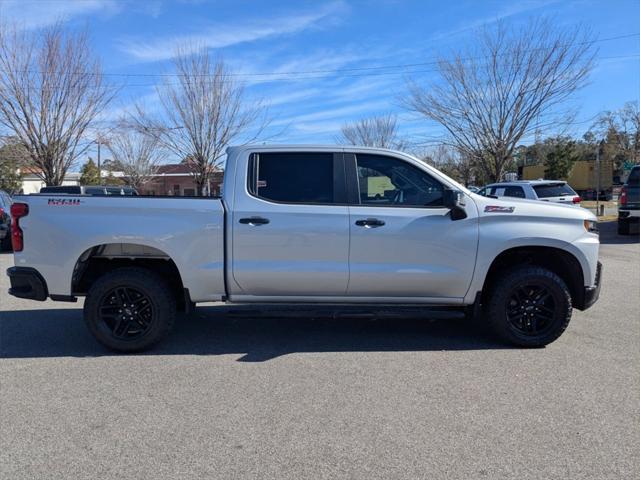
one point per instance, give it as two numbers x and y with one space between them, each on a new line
176 179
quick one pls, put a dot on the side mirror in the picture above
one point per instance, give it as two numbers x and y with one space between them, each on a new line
454 201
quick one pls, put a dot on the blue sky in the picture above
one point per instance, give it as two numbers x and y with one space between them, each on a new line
139 37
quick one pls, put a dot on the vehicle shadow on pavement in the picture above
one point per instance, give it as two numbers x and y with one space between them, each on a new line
609 234
228 330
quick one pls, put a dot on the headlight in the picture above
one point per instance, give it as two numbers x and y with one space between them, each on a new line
591 226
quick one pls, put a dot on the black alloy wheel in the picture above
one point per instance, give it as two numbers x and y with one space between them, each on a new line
531 309
126 313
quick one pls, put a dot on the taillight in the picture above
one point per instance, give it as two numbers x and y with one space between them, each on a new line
18 210
623 196
576 200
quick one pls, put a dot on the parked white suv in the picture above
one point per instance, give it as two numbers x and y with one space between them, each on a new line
555 191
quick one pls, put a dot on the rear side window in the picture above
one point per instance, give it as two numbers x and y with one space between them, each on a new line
508 191
293 177
95 191
386 181
634 178
70 190
554 190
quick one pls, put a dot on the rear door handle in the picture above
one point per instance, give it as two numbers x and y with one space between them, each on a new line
254 221
370 223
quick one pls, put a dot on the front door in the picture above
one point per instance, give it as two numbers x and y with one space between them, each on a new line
290 236
403 240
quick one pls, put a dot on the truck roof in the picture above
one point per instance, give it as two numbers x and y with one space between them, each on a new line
296 147
526 182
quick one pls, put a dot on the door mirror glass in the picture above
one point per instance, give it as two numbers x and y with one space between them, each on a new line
454 200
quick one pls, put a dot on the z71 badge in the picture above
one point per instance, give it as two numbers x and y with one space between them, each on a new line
62 202
498 209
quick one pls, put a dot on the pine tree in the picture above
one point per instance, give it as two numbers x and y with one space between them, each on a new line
561 156
89 174
13 157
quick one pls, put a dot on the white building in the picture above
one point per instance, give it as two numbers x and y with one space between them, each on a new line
31 183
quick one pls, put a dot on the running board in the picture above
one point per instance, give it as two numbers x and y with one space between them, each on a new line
403 312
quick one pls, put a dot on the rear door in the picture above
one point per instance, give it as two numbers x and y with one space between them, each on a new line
291 226
404 243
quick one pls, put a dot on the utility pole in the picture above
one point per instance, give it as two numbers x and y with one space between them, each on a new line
99 166
600 145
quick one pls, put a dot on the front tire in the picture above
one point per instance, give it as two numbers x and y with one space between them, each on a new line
129 309
623 226
529 306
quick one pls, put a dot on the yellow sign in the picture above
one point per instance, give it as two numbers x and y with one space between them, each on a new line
378 185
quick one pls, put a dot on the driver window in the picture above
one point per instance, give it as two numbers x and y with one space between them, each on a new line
386 181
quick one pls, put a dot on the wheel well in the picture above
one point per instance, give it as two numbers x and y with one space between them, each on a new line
560 262
101 259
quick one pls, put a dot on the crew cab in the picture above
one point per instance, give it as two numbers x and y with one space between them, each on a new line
321 225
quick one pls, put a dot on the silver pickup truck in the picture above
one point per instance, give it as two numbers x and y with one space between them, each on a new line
309 225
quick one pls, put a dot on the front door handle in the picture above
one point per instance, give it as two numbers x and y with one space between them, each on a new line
254 221
370 223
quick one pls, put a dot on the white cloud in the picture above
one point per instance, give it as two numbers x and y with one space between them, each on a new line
508 10
343 113
31 15
225 34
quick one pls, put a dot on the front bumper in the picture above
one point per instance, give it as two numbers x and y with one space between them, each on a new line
26 282
632 215
591 294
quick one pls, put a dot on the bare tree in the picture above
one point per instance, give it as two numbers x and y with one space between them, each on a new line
51 91
621 129
138 154
201 114
454 163
381 131
516 81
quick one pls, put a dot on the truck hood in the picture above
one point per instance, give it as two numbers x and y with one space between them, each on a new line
534 208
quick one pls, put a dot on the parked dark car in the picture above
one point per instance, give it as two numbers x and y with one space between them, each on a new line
96 190
5 221
629 202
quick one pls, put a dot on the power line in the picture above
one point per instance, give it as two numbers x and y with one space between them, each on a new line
319 71
314 77
370 74
301 78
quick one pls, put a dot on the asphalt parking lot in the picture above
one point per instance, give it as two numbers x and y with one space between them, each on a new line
235 396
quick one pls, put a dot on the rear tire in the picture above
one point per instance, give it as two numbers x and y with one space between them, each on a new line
623 227
529 306
130 309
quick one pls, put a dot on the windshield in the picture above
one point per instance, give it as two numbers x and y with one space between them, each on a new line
547 190
431 169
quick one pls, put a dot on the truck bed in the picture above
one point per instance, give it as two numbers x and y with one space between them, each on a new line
59 229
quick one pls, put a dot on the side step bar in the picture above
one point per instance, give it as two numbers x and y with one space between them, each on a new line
273 311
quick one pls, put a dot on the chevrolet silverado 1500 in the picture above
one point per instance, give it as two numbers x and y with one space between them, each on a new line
309 225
